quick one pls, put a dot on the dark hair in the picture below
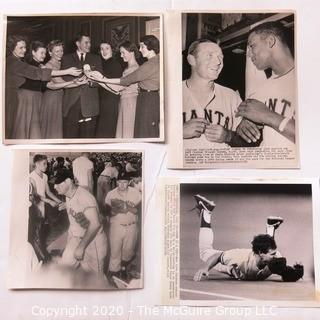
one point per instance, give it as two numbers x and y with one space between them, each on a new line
262 243
39 157
131 47
151 42
60 159
275 28
35 45
13 41
107 42
193 48
54 43
79 36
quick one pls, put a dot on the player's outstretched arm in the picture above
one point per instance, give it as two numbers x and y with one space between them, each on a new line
258 112
203 272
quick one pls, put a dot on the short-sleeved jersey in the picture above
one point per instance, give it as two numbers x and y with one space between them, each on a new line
111 172
39 184
132 195
80 202
220 109
80 168
248 263
279 95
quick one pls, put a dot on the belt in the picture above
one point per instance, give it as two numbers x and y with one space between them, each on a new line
85 120
102 175
145 90
127 224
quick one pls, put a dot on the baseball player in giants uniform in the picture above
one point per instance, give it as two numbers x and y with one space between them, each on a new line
123 203
208 108
242 264
87 244
273 104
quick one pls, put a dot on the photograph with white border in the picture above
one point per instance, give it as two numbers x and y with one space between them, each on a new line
78 221
75 78
239 91
240 241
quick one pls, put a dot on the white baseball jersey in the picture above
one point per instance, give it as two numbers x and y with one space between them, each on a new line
248 263
93 259
111 172
132 195
220 109
80 202
279 95
80 167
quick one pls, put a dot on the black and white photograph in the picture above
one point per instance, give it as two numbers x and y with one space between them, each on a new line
239 90
82 227
244 242
81 78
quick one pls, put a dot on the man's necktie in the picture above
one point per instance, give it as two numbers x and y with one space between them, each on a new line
81 57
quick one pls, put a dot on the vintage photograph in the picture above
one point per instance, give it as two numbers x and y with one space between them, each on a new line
239 241
239 90
81 224
79 78
246 241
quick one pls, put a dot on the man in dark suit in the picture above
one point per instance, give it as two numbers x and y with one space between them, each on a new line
81 104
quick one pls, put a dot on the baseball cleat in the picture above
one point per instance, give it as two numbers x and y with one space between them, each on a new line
204 203
119 283
274 221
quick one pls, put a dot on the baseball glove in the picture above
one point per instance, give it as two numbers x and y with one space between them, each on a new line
293 274
119 206
278 265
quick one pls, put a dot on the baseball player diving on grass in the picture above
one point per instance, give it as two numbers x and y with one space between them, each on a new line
257 263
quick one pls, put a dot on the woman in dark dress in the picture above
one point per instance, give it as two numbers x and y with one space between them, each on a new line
147 118
109 101
27 120
17 71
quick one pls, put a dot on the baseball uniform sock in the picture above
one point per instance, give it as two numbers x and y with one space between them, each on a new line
273 223
205 217
204 203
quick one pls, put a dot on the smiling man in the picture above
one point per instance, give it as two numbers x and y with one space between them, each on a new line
81 104
208 108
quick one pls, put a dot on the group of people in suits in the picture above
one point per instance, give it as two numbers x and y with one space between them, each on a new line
81 94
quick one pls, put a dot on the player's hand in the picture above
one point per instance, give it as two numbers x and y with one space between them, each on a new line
119 206
62 206
73 71
82 220
217 133
256 111
132 207
235 272
248 131
201 274
52 203
194 128
79 253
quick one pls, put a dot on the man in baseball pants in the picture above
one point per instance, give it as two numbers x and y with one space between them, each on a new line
123 204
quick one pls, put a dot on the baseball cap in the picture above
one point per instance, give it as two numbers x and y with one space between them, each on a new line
62 176
125 177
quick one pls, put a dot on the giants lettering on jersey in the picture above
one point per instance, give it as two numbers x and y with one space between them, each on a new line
278 106
215 117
